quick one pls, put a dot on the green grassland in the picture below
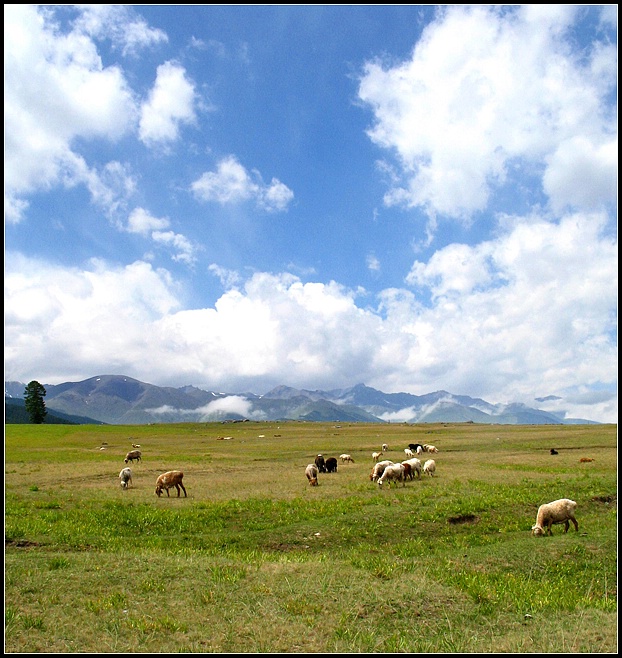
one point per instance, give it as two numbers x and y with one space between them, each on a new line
256 560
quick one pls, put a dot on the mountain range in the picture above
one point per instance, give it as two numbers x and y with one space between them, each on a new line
119 400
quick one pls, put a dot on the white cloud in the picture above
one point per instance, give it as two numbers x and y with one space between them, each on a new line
140 221
232 183
529 314
56 90
507 90
170 103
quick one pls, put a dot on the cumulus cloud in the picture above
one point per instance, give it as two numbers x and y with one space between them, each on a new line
232 183
506 93
170 104
532 313
56 90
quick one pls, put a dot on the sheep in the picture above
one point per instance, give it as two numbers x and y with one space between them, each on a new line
385 448
169 480
346 458
419 450
393 473
378 469
429 467
126 477
331 465
559 511
320 463
135 445
415 465
312 472
376 456
408 471
554 452
429 448
409 453
415 447
132 455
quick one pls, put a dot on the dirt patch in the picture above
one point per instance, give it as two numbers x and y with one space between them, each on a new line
20 543
606 499
463 518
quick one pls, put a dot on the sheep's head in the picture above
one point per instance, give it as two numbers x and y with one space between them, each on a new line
124 484
537 530
313 482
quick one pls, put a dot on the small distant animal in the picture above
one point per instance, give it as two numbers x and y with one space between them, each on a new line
385 447
169 480
585 459
346 458
376 456
133 455
312 472
135 445
320 462
430 467
126 477
554 452
331 465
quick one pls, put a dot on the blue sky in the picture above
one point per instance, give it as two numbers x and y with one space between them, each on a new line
418 198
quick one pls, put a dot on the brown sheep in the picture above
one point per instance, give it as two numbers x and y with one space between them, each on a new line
169 480
133 455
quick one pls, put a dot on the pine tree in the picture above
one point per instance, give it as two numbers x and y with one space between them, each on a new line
33 401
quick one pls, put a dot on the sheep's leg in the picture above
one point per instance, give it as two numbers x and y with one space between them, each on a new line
576 525
184 488
566 526
167 493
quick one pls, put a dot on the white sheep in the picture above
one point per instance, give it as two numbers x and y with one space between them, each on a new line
376 456
169 480
346 458
419 450
385 447
409 453
415 466
393 473
429 448
559 511
378 469
126 477
429 467
312 472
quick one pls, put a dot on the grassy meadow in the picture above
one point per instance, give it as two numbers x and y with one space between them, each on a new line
256 560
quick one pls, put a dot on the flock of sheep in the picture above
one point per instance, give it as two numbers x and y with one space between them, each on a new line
556 512
164 482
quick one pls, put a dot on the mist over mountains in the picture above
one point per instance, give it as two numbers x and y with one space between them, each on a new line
117 400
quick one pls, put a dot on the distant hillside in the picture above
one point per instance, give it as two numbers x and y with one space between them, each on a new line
116 399
15 413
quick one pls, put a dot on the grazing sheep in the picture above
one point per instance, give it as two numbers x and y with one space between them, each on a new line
385 447
376 456
415 466
135 445
346 458
415 447
331 465
419 450
320 463
169 480
408 471
393 473
554 452
409 453
312 472
378 469
126 477
429 467
429 448
133 455
559 511
585 460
